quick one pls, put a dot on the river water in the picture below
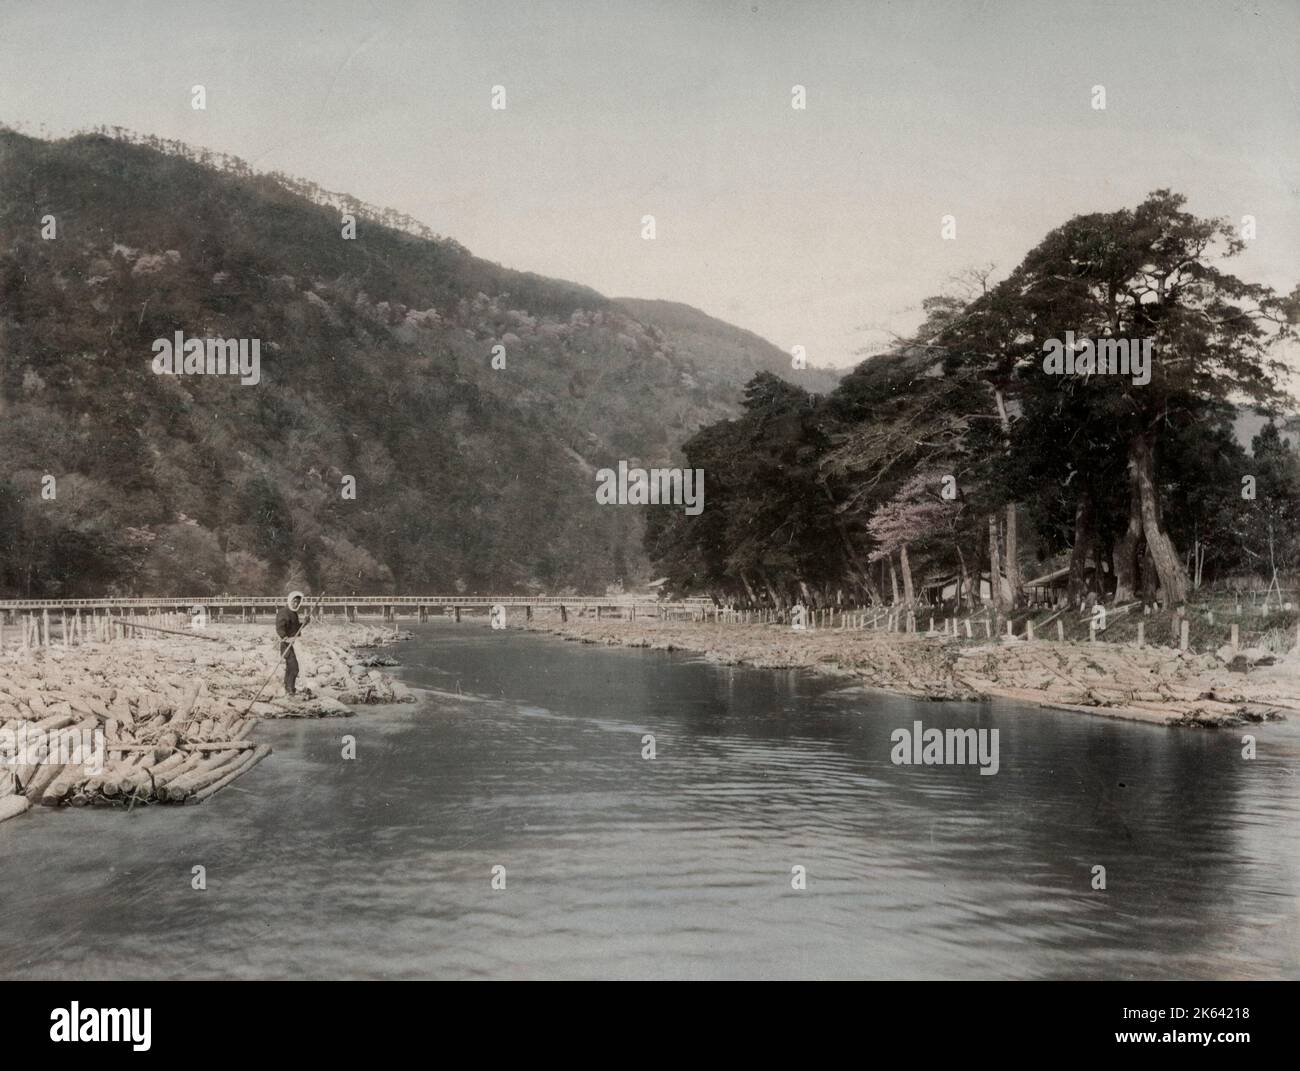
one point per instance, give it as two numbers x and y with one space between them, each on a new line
526 753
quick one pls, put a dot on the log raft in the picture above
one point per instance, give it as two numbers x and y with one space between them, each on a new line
1165 686
160 718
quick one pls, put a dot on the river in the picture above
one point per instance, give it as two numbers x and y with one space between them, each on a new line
526 753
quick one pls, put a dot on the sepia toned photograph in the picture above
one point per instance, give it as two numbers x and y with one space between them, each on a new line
650 490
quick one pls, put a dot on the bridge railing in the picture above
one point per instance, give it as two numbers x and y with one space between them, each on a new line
341 601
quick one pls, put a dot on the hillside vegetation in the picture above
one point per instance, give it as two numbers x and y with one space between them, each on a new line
977 449
376 363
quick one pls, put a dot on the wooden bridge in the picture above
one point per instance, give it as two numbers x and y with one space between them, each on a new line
246 607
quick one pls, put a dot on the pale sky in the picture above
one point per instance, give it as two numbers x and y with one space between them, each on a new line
818 227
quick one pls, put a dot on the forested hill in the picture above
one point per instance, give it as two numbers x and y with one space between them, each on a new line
376 363
725 353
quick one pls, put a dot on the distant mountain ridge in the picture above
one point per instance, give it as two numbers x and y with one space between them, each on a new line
733 353
380 362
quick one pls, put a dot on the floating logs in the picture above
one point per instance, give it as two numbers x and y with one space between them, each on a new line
158 718
1165 686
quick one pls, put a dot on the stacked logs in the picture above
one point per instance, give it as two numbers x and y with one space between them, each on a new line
174 714
1156 684
155 748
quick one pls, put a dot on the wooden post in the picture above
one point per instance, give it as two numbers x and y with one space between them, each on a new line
1092 631
1182 636
564 614
1235 637
457 612
1142 639
1060 631
1029 630
45 628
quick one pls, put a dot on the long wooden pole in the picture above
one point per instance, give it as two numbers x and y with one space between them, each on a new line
169 631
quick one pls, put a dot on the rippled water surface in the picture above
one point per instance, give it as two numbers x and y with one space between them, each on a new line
526 753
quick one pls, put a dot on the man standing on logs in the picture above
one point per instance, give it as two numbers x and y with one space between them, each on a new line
287 626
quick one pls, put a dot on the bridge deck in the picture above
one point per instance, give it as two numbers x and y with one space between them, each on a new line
344 602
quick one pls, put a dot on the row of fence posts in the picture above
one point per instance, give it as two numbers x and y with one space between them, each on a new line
73 629
853 619
898 620
35 631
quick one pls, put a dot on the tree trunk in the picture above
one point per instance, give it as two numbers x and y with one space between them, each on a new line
1013 559
995 565
1127 550
1084 537
962 578
859 570
1099 553
1147 582
1169 568
873 589
909 594
1014 580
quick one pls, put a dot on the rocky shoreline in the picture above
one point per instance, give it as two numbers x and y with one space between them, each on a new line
1157 685
167 718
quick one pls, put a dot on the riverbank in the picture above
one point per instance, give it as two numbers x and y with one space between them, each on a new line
1158 685
167 717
